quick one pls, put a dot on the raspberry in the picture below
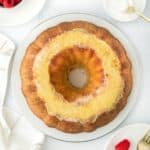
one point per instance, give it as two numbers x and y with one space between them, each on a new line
123 145
1 1
8 3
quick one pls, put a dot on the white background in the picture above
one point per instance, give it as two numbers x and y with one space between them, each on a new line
138 32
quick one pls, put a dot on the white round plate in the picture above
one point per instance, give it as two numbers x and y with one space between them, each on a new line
134 133
80 136
116 9
20 14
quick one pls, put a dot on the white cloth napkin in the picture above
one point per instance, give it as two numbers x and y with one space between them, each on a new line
23 135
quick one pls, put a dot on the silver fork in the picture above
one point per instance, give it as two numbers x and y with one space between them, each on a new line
144 143
7 49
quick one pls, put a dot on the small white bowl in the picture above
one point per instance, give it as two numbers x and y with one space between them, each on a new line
134 133
21 13
117 9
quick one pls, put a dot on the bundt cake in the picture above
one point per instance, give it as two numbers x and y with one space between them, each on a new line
46 76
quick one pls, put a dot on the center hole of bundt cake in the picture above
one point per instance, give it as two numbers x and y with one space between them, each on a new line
78 77
76 73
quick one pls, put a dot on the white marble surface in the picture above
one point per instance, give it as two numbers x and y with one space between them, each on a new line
139 34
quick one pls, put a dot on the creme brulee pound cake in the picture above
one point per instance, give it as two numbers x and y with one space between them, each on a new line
45 71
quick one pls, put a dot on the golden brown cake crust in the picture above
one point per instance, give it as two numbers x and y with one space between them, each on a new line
29 89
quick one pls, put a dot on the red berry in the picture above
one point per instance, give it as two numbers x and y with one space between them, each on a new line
8 3
1 1
123 145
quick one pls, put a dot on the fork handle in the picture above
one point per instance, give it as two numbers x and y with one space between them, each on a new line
143 16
